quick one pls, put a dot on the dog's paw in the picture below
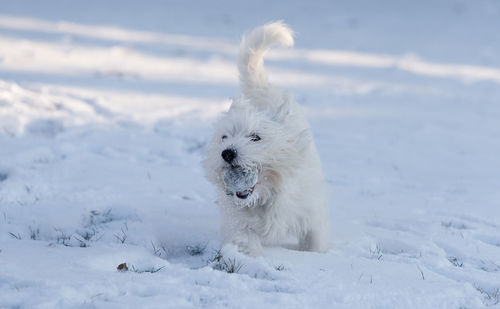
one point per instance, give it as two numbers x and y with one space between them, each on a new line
248 248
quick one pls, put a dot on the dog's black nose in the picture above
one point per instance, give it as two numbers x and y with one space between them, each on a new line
228 155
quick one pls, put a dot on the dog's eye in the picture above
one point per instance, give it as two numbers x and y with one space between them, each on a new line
254 137
224 137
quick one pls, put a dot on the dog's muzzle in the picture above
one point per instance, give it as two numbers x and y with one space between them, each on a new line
240 181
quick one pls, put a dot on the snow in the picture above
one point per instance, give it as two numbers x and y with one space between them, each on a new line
106 109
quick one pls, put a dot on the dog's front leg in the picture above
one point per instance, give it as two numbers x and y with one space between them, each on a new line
247 242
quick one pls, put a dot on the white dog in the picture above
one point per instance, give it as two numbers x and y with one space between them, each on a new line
264 162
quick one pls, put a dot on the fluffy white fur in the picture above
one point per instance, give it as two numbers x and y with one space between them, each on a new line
270 136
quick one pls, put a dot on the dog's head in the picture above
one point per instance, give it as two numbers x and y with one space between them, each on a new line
254 148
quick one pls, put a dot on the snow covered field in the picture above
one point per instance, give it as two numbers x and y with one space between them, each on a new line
106 109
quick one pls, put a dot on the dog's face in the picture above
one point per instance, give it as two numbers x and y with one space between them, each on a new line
251 150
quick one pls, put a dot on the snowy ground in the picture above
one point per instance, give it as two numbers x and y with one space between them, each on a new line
105 111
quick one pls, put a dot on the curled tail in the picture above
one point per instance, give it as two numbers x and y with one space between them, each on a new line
252 49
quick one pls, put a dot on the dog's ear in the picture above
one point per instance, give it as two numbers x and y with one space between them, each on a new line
284 109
